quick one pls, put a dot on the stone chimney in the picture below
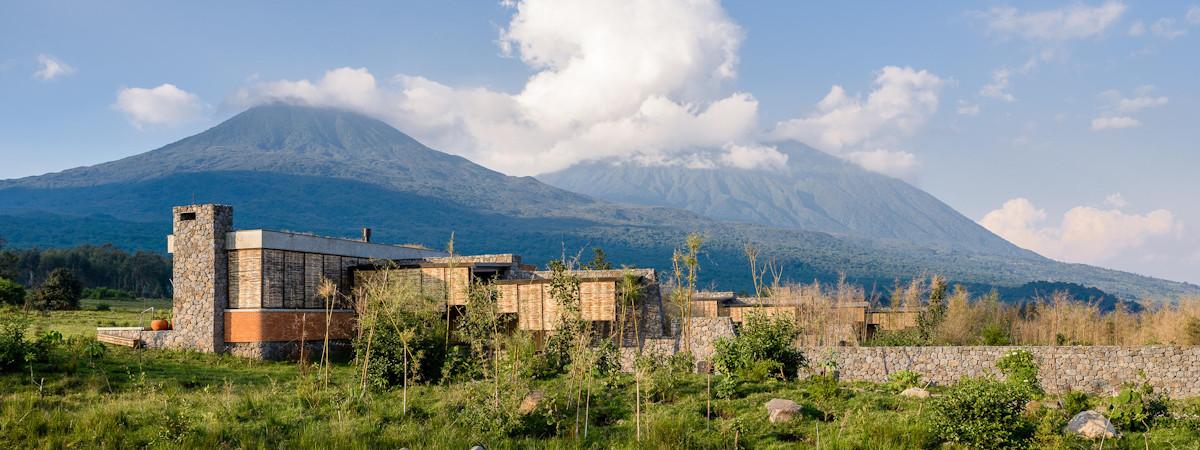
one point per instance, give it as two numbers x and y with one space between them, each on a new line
201 276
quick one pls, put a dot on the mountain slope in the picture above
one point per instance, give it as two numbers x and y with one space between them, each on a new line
815 191
332 172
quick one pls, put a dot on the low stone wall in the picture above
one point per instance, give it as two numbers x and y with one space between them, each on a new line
149 338
1174 371
339 350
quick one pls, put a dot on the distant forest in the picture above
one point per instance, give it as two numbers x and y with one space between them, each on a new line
142 273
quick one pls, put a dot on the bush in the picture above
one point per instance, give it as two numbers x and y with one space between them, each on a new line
12 340
11 293
104 293
982 413
995 334
1135 407
15 350
1075 402
904 379
760 338
60 291
897 338
1020 369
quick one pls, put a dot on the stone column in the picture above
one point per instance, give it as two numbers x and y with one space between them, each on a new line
200 276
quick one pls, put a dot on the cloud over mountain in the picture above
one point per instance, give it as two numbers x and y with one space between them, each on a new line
643 81
1085 234
164 104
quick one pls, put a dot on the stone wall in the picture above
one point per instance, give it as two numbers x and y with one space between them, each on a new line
339 350
200 276
1174 371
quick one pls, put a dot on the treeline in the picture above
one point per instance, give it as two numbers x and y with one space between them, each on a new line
142 273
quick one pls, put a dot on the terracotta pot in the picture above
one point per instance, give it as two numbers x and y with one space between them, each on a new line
159 325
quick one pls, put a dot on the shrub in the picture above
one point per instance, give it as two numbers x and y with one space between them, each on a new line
760 338
897 338
904 379
1135 407
1075 402
12 340
995 334
60 291
15 350
105 293
11 293
982 413
1021 370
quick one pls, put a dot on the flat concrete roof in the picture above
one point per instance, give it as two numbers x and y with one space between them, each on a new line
307 243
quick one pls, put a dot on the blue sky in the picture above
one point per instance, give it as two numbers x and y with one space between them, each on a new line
1068 128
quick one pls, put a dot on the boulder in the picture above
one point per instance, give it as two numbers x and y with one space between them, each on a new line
781 410
1092 425
915 392
531 402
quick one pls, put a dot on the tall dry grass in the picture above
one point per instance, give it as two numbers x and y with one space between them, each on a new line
1060 320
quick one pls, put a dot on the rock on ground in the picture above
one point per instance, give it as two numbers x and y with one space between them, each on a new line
915 392
1092 425
781 410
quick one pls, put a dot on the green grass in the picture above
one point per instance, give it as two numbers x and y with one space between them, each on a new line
169 399
83 322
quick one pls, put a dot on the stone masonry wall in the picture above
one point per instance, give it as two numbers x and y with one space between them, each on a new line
200 277
1174 371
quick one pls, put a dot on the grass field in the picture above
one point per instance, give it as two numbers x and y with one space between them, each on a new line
166 399
120 313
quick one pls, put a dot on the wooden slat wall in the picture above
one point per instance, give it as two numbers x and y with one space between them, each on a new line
529 307
293 280
433 281
245 279
598 300
312 279
508 297
273 276
460 282
549 309
331 270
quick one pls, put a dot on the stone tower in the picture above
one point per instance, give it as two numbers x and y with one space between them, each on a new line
200 276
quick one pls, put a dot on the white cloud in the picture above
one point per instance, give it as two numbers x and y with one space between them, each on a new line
1114 123
902 101
1193 15
754 157
1137 29
161 105
1166 28
998 87
1085 234
1078 21
1143 97
1116 200
897 164
51 68
1115 113
638 80
967 109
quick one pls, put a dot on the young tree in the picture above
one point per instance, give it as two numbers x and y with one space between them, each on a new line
686 265
599 261
11 293
60 291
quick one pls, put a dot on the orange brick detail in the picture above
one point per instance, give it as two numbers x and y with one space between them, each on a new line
286 326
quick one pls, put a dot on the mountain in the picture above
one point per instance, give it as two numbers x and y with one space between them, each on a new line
814 191
331 172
